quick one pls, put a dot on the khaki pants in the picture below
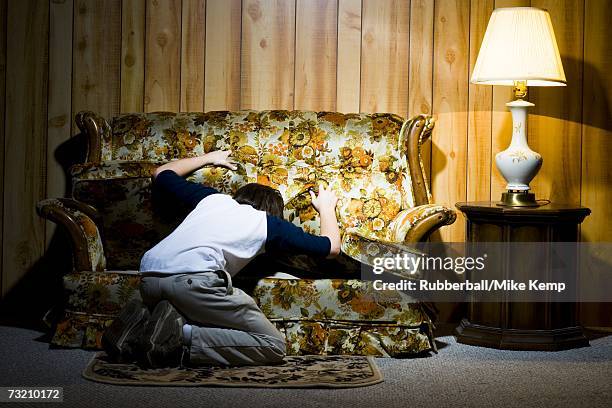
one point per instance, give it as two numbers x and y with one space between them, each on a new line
228 328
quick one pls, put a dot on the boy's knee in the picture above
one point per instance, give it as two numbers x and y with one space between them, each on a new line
277 354
279 350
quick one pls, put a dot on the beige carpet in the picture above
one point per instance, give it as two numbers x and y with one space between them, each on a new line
459 376
295 372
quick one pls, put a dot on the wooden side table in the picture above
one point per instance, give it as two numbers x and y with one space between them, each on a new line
522 326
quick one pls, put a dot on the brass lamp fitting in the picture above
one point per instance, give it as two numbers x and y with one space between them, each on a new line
520 89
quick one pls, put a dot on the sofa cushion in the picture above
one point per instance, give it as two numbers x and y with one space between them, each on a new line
166 136
357 155
336 300
344 317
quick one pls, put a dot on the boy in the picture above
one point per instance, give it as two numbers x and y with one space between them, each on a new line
187 277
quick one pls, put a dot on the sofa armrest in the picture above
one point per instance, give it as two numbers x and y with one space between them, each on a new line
365 247
96 129
79 219
417 223
414 134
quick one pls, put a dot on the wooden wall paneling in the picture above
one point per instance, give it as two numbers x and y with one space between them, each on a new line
405 57
420 76
384 56
3 27
554 128
96 73
223 36
268 54
25 137
163 56
193 44
132 55
316 43
596 191
59 97
479 108
501 120
349 56
450 109
450 106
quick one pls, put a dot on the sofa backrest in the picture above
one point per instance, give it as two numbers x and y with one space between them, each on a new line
366 158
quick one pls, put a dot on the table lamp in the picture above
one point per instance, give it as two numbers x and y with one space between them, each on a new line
519 50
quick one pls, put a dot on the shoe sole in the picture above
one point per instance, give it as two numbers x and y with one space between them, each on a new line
124 328
163 332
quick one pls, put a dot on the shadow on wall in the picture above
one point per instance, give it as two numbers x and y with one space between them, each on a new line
41 288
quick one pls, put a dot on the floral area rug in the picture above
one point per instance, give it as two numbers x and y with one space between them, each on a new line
295 372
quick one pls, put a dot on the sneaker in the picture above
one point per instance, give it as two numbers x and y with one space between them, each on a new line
161 344
121 338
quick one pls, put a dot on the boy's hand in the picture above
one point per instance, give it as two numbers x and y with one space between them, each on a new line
325 204
326 200
220 158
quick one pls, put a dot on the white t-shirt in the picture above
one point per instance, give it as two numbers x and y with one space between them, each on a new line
219 234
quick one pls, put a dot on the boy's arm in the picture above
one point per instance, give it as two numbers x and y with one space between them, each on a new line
169 181
186 166
285 237
169 187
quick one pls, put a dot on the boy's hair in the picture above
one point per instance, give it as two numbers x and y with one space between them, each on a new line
261 197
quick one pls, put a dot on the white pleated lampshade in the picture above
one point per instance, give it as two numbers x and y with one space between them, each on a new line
519 45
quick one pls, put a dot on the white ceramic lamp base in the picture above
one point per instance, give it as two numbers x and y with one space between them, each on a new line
518 163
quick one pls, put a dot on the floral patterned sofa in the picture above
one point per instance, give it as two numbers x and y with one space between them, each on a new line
372 161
